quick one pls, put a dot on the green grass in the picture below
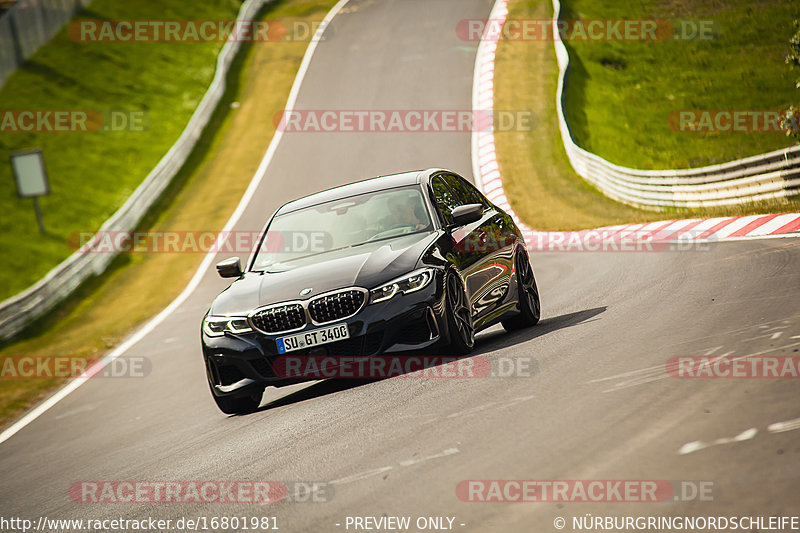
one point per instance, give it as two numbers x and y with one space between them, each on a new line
92 174
620 94
202 196
539 181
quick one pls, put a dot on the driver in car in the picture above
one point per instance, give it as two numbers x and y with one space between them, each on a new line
403 211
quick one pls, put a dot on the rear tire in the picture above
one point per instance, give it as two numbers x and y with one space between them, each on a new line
529 305
459 316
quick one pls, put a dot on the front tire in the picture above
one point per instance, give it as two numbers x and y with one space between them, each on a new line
459 316
237 405
529 305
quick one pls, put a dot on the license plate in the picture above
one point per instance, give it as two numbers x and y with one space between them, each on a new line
313 338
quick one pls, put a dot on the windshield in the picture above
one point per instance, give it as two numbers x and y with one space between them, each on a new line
343 223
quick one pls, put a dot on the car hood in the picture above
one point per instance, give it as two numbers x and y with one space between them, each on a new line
368 266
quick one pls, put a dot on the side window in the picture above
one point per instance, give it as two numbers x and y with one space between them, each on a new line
445 199
466 193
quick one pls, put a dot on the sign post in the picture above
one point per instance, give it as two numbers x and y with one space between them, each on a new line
31 178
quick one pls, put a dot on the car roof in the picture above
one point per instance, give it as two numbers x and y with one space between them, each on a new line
359 187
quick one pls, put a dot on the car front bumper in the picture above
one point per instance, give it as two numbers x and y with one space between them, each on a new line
237 364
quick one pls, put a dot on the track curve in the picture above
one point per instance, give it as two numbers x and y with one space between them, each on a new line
597 406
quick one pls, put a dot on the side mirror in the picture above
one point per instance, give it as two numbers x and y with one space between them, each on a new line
229 268
464 214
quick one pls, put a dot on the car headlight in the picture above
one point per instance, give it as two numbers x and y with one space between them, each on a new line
216 326
417 280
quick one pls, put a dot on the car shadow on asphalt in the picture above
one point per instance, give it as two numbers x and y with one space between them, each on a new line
497 338
494 339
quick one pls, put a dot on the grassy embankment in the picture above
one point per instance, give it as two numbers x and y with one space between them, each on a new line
202 196
620 96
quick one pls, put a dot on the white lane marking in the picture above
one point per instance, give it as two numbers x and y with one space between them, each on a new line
445 453
697 445
777 427
471 410
768 332
646 375
485 406
780 427
141 333
656 373
638 372
729 334
785 347
361 475
380 470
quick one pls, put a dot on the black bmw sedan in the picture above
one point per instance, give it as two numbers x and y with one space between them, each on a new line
411 262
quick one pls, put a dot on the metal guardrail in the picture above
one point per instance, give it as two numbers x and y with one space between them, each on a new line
18 311
28 24
762 177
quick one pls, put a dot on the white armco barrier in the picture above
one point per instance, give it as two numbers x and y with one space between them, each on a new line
18 311
766 176
772 175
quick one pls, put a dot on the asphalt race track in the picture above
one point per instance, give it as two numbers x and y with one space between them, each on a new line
598 403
